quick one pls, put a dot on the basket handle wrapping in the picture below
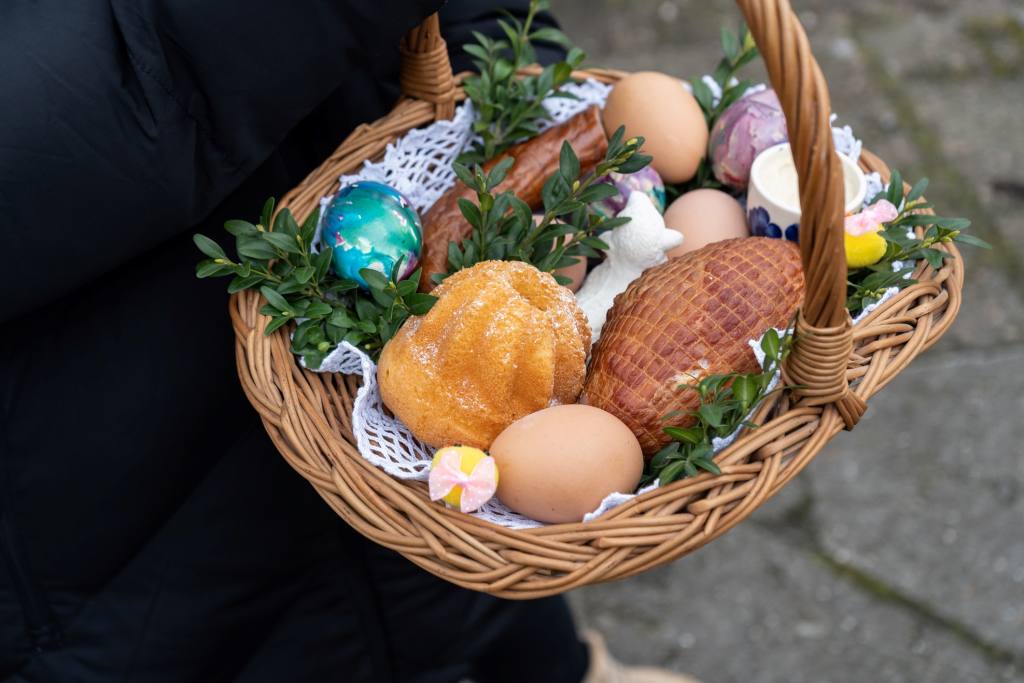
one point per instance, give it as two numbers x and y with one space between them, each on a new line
824 331
426 71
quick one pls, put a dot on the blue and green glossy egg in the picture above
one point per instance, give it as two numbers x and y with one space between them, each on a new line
371 225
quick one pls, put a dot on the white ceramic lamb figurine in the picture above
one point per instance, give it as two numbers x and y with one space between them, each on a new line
632 249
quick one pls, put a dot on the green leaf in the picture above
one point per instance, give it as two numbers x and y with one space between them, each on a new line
707 465
730 44
308 230
282 241
318 309
711 413
322 262
551 35
239 283
366 309
273 325
205 269
209 247
770 344
303 274
702 93
267 213
375 279
568 163
284 224
470 211
671 472
406 287
966 238
238 228
745 389
255 248
692 435
275 299
917 191
420 303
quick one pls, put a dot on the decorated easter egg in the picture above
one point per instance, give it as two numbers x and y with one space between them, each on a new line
749 126
463 477
371 225
645 180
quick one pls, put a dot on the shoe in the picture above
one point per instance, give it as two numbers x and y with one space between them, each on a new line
604 668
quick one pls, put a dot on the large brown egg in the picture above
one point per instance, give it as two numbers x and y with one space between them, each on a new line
658 107
705 216
559 463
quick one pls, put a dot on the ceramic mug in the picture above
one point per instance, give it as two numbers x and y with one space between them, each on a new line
773 198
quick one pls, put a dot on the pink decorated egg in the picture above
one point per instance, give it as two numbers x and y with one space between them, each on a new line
749 126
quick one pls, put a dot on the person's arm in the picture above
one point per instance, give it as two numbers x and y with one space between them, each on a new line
123 123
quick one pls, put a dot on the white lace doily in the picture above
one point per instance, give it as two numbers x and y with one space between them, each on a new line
419 166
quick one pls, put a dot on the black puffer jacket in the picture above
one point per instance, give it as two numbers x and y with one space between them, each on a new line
148 529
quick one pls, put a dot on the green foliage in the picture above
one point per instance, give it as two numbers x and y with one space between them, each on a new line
509 109
299 287
504 227
904 248
725 402
738 50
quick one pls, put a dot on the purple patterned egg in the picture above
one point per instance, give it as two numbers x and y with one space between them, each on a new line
748 127
645 180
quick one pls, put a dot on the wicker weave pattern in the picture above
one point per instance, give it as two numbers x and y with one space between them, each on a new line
308 415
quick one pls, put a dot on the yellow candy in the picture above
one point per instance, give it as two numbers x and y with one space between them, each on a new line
863 250
469 457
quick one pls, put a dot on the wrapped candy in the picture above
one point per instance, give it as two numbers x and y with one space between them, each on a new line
371 225
864 245
463 477
748 127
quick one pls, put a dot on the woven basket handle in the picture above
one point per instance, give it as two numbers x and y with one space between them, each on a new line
426 72
824 332
824 339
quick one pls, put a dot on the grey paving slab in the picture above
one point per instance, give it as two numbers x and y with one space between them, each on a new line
927 494
756 608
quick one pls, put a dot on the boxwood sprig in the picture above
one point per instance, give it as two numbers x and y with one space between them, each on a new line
299 287
904 249
725 402
510 108
503 225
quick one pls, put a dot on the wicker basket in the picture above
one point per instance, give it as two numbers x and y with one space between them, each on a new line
839 366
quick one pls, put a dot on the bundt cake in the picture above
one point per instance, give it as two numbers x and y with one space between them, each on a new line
503 340
684 320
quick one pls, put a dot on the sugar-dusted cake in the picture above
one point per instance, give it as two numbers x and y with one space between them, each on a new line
684 320
503 340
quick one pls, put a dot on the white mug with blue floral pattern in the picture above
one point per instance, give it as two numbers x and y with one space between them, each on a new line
773 197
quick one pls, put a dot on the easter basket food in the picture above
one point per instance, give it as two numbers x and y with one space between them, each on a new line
717 376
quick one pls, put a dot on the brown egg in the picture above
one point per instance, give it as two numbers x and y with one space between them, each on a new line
705 216
559 463
658 107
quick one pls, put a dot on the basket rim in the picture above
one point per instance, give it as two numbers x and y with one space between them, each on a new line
307 416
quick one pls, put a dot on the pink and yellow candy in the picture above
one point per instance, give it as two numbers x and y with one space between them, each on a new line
463 477
865 245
